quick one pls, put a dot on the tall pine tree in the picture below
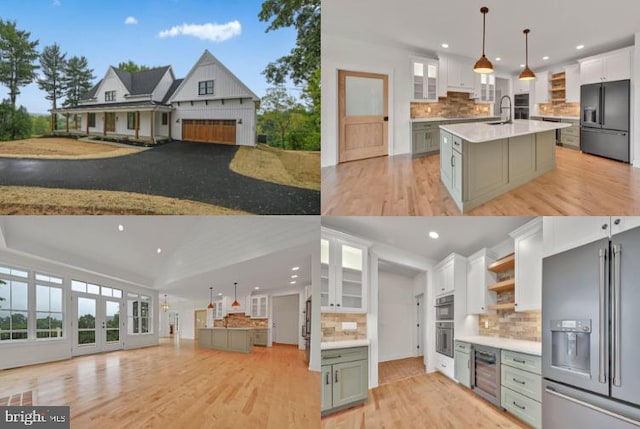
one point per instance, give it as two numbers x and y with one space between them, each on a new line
17 58
53 64
77 81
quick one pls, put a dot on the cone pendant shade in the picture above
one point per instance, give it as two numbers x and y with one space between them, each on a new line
483 65
235 295
527 73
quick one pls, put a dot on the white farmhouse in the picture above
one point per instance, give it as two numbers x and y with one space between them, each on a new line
210 105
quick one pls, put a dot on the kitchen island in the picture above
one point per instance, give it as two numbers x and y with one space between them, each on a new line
230 339
479 161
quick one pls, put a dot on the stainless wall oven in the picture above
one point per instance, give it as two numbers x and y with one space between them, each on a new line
521 106
444 338
485 375
444 308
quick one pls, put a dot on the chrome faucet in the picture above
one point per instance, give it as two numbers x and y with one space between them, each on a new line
508 121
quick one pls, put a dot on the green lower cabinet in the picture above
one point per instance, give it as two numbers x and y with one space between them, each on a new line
345 381
462 368
523 407
521 390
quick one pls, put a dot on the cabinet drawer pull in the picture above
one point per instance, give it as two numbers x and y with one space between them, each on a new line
327 378
336 379
333 357
519 361
518 381
519 406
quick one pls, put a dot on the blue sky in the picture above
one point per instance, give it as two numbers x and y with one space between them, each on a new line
157 33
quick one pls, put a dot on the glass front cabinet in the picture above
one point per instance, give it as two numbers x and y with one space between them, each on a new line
344 273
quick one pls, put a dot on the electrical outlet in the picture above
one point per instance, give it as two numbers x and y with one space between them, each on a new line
349 326
428 109
486 324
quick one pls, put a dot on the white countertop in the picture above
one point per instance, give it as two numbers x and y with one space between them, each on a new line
522 346
442 119
478 132
571 118
332 345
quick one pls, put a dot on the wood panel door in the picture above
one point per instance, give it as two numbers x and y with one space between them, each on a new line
363 105
209 130
199 321
110 119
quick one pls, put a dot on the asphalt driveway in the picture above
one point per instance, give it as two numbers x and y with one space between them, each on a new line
192 171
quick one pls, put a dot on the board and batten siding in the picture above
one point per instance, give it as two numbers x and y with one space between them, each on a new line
121 125
231 109
161 89
225 84
111 82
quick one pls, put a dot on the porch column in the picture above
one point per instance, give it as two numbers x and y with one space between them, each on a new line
67 116
104 123
87 123
137 124
153 120
170 125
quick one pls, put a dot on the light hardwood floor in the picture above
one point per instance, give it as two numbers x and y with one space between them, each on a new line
177 385
399 369
426 401
394 186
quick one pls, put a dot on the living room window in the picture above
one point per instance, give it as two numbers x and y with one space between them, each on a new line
139 314
205 87
131 120
110 96
14 304
165 118
49 315
92 120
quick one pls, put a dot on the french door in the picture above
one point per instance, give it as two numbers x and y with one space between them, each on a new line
97 324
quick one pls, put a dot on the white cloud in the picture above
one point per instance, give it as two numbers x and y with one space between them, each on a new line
213 32
56 2
130 20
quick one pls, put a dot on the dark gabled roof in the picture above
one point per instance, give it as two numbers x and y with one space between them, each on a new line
92 92
142 103
143 82
176 83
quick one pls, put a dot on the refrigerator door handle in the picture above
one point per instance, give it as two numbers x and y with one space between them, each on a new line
595 408
617 249
602 378
602 98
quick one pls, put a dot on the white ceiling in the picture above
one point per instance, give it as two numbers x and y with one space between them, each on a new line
197 252
557 27
463 235
395 268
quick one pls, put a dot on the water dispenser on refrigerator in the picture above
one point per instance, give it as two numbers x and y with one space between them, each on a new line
571 345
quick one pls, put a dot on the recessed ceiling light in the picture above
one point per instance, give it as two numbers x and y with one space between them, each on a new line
295 268
257 288
159 250
295 276
521 65
545 58
219 293
293 282
445 45
498 59
579 46
120 227
433 234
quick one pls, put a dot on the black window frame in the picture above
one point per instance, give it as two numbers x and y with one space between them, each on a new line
92 120
205 87
165 118
131 120
110 95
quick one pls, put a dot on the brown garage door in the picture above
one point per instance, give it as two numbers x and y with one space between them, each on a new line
209 130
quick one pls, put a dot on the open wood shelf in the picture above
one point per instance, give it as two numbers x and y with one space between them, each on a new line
560 88
505 306
557 76
503 286
504 264
558 100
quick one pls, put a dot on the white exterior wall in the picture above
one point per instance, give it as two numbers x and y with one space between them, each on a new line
13 354
121 125
163 130
162 87
111 82
232 109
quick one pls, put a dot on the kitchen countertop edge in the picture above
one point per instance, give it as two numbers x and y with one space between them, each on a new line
443 119
332 345
494 132
520 346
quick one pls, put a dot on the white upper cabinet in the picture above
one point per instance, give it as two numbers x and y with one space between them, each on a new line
611 66
528 242
541 86
425 79
572 83
220 310
521 86
460 74
344 273
478 280
259 306
450 275
622 223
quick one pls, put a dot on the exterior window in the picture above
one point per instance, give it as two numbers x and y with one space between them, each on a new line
49 316
85 287
165 118
139 314
205 87
92 120
14 309
131 120
110 96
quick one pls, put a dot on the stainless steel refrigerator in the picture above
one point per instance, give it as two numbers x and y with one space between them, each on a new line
591 335
604 119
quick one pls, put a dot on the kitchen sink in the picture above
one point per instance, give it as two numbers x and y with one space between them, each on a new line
496 123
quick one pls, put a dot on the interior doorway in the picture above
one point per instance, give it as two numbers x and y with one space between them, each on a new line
285 317
199 321
363 115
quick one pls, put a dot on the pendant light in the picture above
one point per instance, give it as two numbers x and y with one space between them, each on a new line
235 295
210 298
483 65
527 74
165 305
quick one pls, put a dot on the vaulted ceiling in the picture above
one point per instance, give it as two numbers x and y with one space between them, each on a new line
196 252
557 27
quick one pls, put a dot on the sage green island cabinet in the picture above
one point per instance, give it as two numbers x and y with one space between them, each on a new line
260 336
229 339
462 363
345 380
425 133
479 161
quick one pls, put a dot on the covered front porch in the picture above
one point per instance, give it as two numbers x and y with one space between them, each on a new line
146 124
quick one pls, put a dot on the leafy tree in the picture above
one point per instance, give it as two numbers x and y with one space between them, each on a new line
304 59
86 321
77 80
40 125
15 124
132 67
2 282
53 64
17 58
276 108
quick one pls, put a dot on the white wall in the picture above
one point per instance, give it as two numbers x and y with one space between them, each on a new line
635 103
396 317
186 311
286 319
301 293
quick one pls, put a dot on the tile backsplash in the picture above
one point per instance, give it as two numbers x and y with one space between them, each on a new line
332 328
509 324
454 105
241 320
560 109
